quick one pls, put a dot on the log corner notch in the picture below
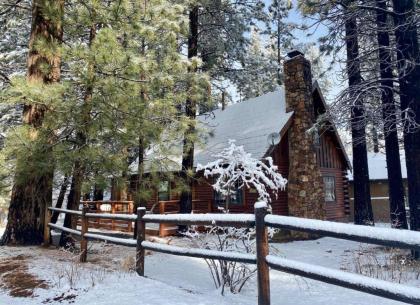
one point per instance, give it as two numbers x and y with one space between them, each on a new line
261 237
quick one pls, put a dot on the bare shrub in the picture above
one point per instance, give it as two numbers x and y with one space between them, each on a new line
388 264
71 273
225 274
97 275
128 264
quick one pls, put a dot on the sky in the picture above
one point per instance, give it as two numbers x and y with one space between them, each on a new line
302 37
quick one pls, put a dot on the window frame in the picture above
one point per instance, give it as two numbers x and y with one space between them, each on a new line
168 191
219 201
334 192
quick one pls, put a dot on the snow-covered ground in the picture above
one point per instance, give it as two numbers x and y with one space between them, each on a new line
107 280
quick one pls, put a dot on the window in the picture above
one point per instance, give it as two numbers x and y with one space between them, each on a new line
164 191
220 200
329 185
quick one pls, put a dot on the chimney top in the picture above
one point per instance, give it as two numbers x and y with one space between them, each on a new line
294 53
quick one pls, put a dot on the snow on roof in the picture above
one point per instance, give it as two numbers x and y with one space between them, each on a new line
378 168
249 123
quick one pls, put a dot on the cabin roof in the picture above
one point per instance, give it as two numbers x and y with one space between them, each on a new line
378 167
249 123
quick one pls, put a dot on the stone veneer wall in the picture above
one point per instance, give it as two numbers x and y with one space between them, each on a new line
305 188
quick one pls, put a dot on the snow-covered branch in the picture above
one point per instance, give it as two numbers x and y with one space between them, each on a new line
235 168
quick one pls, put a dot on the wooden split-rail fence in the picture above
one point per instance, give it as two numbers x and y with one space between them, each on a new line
263 259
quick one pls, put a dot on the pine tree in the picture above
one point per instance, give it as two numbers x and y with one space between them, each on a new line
409 84
350 109
396 188
282 33
260 69
362 201
32 189
187 163
124 78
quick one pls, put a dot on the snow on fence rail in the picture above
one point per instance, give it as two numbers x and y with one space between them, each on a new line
126 217
72 212
346 279
262 220
203 219
379 236
68 230
114 240
200 253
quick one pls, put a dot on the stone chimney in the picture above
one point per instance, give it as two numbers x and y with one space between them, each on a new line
305 188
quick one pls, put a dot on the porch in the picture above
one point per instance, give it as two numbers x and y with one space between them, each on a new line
127 207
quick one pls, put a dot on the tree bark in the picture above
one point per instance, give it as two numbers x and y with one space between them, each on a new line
362 200
79 167
190 112
279 76
60 199
32 189
396 188
408 56
98 193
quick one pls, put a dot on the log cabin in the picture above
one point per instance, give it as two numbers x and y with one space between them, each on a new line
312 159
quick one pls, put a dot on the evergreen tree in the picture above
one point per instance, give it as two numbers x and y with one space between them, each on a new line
280 31
341 20
123 79
396 188
408 55
362 201
32 189
260 69
187 163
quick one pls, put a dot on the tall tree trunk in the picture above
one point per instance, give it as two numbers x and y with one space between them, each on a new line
190 111
362 201
60 198
98 193
32 189
81 138
140 184
279 78
396 188
408 56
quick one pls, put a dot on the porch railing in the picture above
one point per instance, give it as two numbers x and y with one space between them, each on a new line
127 207
110 207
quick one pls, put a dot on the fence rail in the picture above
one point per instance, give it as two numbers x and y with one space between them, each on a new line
264 261
371 235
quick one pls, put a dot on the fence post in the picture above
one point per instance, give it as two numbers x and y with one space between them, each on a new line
141 235
83 242
47 230
263 270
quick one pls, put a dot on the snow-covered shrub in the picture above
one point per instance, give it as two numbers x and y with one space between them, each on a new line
225 274
235 168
